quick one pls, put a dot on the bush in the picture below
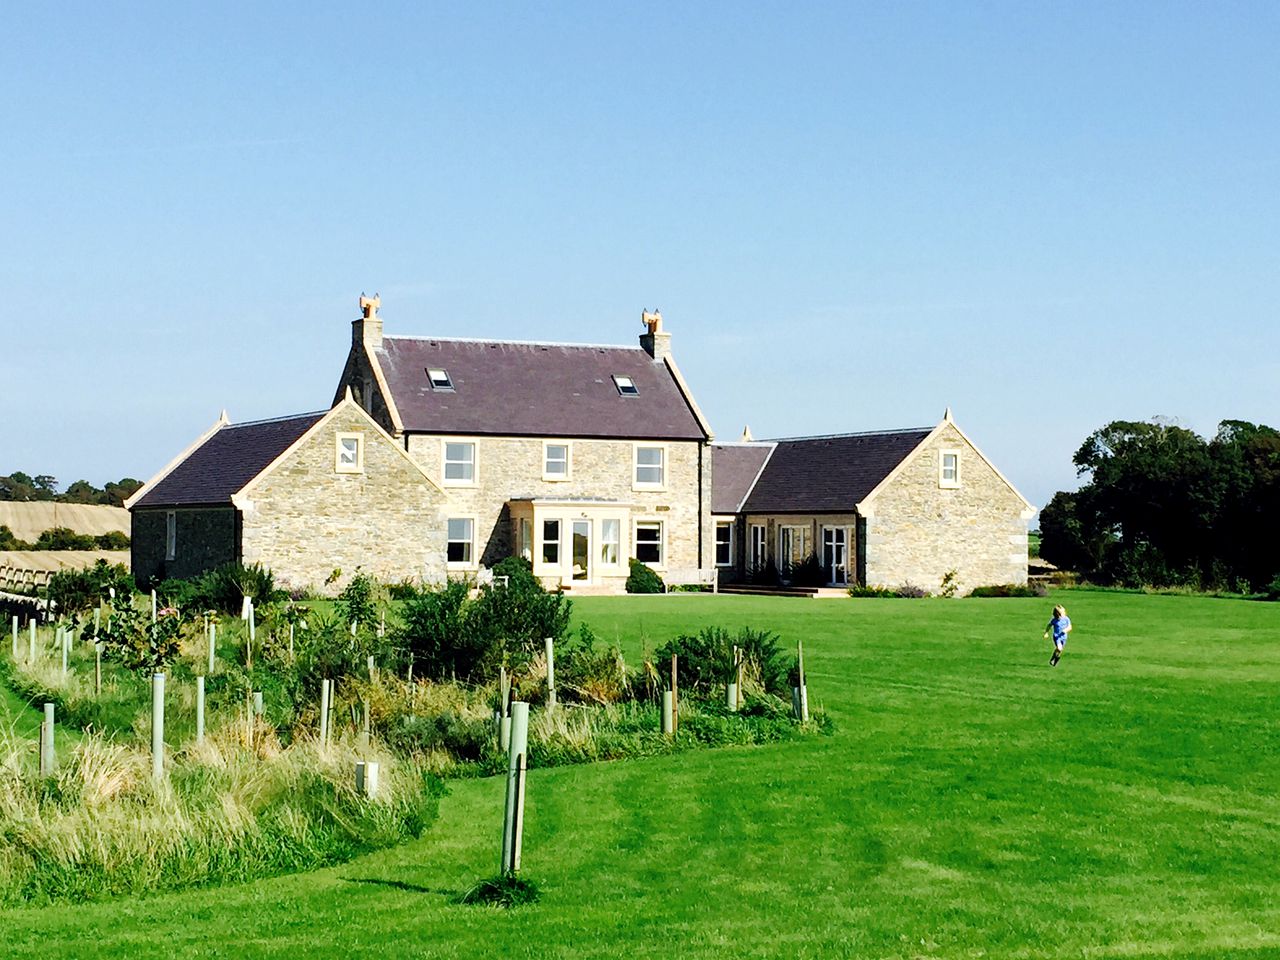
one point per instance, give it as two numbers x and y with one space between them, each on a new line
907 590
705 661
223 589
1273 589
74 592
588 675
643 579
764 575
453 636
807 573
1010 590
64 538
115 540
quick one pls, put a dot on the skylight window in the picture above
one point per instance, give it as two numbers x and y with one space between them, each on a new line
439 378
626 386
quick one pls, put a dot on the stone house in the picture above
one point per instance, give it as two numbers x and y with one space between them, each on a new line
303 495
577 457
885 508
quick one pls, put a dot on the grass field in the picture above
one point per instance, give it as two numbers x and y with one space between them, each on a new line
973 802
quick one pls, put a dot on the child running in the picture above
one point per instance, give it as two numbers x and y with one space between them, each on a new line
1060 625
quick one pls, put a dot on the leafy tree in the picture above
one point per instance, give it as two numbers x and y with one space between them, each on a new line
9 542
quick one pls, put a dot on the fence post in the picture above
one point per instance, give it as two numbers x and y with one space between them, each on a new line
551 674
200 709
157 727
47 755
513 821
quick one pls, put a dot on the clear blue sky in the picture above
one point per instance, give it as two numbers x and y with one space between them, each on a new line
1046 216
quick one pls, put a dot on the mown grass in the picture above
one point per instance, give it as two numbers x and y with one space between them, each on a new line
973 802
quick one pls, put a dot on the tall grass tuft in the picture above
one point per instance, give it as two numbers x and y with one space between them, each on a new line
236 807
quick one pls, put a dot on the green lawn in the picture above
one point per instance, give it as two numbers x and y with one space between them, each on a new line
973 802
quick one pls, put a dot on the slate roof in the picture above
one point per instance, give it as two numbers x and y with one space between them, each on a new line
734 468
534 389
828 474
227 461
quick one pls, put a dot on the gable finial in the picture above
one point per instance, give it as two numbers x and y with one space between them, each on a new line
946 417
746 434
349 398
369 306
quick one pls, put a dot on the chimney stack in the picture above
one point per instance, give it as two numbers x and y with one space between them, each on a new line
368 329
657 342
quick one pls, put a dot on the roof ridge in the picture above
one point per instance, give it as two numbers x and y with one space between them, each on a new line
258 423
519 343
744 443
841 436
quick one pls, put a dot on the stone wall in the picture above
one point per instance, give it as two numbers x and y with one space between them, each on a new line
304 520
917 530
510 468
205 538
358 374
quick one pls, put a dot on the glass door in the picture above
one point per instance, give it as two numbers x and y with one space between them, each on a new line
582 550
835 555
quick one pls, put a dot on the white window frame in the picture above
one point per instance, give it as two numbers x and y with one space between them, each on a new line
716 542
549 476
605 542
445 461
170 534
541 544
338 465
524 538
447 384
661 562
636 482
945 482
461 564
627 389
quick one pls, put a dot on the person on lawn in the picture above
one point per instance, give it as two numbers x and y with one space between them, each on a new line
1059 626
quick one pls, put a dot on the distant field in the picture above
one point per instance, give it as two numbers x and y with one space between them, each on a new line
973 802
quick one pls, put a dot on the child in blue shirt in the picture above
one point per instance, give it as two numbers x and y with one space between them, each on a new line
1060 626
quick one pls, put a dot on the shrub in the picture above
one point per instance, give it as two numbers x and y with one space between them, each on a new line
516 617
950 583
223 589
705 661
74 592
764 575
358 601
433 630
115 540
807 573
1273 589
859 591
64 538
1010 590
589 675
643 579
141 645
907 590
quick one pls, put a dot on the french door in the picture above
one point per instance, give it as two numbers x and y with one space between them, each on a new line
835 555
